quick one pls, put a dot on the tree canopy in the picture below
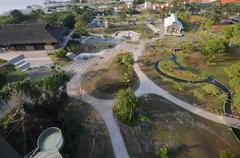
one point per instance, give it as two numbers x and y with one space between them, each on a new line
127 106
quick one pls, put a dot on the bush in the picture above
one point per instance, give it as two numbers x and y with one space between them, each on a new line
127 106
72 46
60 54
163 153
127 60
211 90
214 46
226 153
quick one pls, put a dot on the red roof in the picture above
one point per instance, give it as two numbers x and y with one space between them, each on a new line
230 1
209 1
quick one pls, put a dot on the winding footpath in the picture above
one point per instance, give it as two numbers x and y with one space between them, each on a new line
147 86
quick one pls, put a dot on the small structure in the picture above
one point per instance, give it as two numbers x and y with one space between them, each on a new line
49 143
31 36
173 26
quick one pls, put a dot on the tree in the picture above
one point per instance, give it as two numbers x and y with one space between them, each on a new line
233 73
60 53
226 153
184 17
80 25
127 106
37 14
18 17
231 9
215 12
212 47
232 35
68 21
122 16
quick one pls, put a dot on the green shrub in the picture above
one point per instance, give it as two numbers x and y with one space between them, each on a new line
211 90
126 59
163 153
147 62
60 54
226 153
179 86
127 106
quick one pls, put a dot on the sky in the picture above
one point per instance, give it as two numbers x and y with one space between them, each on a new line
6 5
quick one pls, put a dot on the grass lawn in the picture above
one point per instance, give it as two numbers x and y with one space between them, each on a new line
75 120
184 134
105 81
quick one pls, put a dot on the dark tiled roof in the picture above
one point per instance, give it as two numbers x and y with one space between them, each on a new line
29 34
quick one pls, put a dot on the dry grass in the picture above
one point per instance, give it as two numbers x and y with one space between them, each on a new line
103 81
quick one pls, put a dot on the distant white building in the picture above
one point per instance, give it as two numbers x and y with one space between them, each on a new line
129 3
173 26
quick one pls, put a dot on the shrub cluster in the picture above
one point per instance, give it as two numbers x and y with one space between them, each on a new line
127 106
127 60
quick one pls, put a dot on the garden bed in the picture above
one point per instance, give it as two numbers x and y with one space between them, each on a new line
198 95
172 69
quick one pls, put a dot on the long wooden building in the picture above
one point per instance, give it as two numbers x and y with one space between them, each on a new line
31 36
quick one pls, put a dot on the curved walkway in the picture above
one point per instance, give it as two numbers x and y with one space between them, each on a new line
147 86
104 107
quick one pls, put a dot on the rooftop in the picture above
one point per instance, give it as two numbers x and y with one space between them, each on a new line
17 34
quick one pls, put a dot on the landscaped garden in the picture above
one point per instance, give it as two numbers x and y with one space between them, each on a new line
168 128
105 81
172 69
210 53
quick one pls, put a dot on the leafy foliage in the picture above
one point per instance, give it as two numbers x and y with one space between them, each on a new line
127 60
232 35
37 89
215 12
60 53
163 153
233 73
226 153
127 106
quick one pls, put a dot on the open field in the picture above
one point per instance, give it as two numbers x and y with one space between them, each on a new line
184 134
